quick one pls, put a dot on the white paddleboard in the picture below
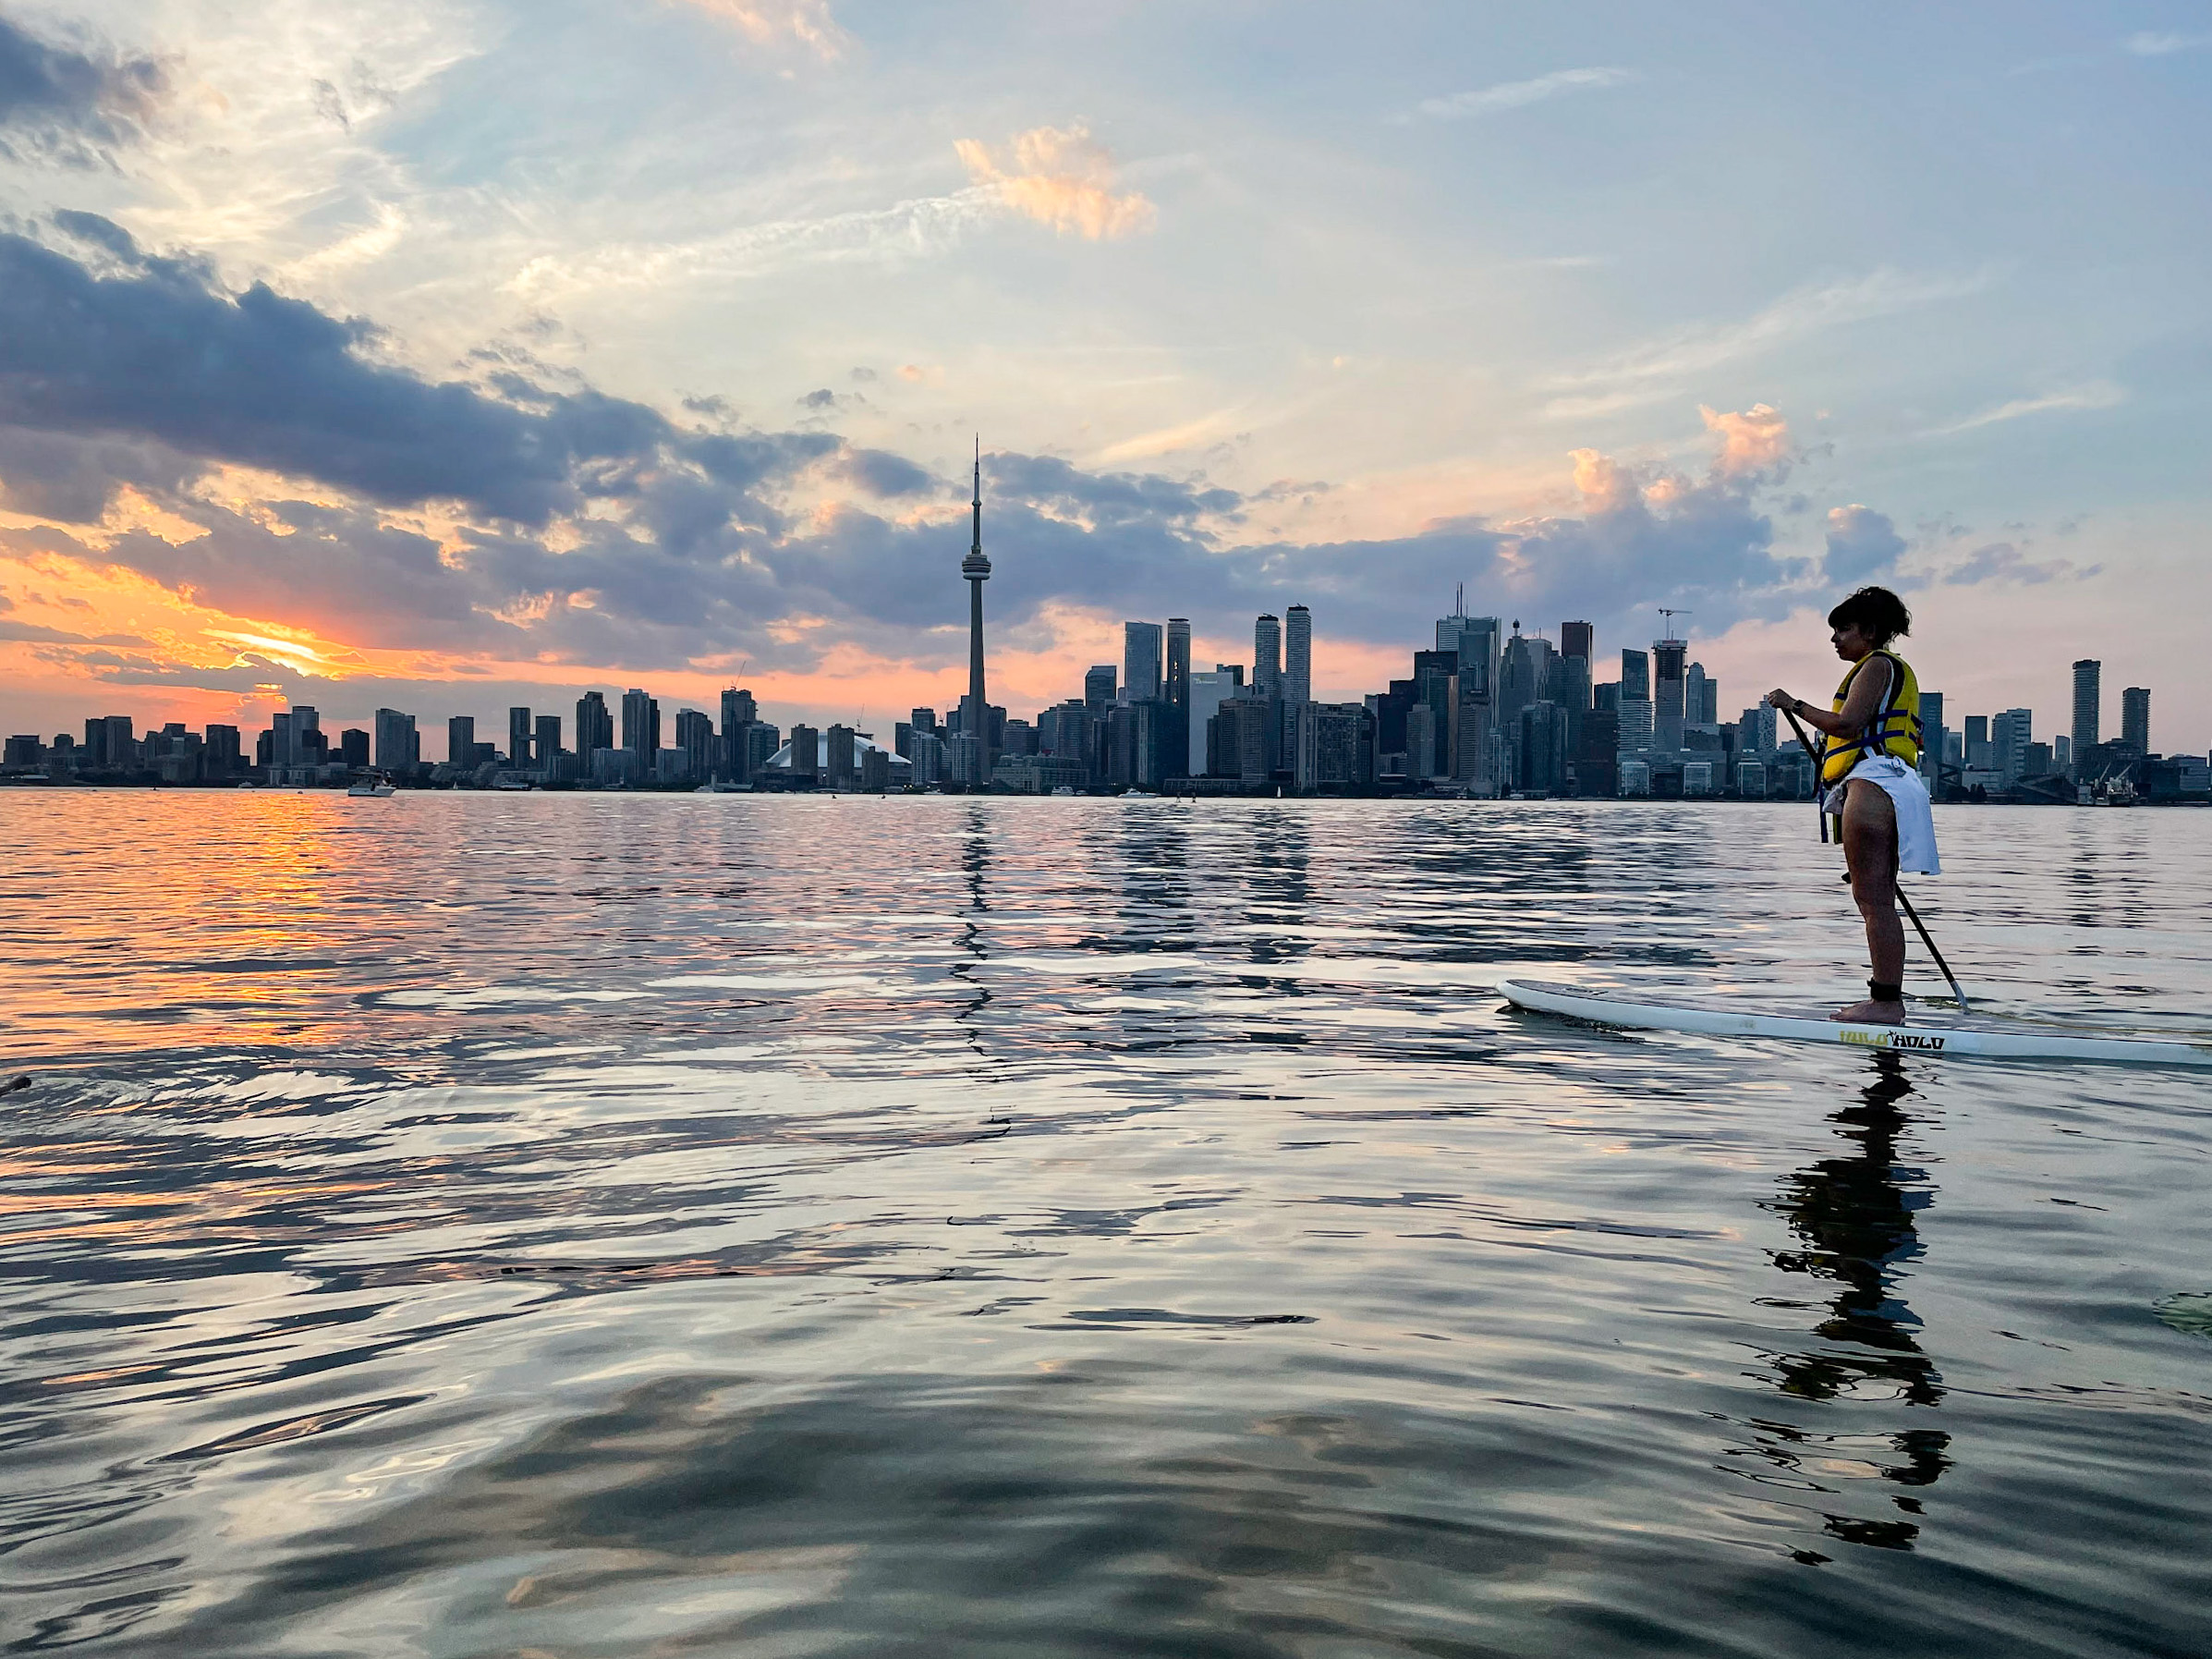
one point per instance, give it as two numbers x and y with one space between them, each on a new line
1980 1041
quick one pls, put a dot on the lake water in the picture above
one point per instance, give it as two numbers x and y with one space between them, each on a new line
594 1226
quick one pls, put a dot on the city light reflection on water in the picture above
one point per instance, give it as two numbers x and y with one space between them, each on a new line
584 1225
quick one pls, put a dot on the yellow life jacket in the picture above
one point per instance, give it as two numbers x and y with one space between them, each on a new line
1895 730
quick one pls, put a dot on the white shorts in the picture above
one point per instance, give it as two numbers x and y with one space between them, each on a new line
1916 821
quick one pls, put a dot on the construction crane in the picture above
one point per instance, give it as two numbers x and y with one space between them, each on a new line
1669 615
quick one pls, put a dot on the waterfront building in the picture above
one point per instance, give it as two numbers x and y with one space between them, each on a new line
2134 718
642 725
460 739
1242 739
594 726
1637 725
1335 746
612 768
759 741
1141 668
545 748
398 746
2009 736
1298 654
1757 730
1597 754
1267 657
1420 743
353 748
221 757
697 742
1636 778
519 731
1696 778
1668 710
1178 695
928 756
840 768
2088 694
1976 743
1636 675
1208 690
1540 757
1931 737
2062 754
1751 779
801 757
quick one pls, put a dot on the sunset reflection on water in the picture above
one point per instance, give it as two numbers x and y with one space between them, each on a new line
571 1223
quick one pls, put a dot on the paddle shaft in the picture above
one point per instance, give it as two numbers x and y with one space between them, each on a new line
1919 926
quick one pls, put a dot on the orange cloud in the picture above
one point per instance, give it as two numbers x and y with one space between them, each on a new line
1755 441
773 23
1060 176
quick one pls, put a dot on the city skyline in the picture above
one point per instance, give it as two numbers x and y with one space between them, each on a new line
454 429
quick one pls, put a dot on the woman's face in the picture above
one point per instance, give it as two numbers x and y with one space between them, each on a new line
1851 644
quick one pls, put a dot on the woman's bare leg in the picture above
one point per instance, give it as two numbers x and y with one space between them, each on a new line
1870 848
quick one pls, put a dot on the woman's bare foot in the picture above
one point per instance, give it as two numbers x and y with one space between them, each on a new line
1870 1013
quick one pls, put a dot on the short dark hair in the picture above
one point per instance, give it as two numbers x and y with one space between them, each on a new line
1875 612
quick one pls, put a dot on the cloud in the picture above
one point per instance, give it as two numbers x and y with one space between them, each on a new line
1060 176
1754 443
156 353
881 473
1650 372
69 104
779 22
2097 394
572 529
1516 94
1862 543
2003 562
2149 44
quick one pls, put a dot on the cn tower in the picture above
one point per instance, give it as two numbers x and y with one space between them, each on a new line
974 718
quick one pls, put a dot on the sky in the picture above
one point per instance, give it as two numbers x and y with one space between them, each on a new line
452 356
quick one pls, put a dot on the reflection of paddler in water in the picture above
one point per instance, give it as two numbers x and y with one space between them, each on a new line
1854 1215
1871 778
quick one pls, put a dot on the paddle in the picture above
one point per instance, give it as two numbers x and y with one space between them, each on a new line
1919 926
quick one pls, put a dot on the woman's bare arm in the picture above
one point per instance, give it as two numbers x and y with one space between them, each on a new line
1868 692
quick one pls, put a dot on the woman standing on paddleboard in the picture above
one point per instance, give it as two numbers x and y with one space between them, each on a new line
1871 778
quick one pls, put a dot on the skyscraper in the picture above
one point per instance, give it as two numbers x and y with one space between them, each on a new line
641 726
460 739
1667 687
1477 643
545 749
1267 657
519 736
398 748
2134 718
2010 734
1208 692
975 711
1932 735
1636 676
594 728
2088 687
1179 753
1297 665
695 736
1099 685
1141 643
1578 640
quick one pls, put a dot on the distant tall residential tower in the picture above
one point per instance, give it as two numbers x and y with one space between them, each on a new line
1140 661
1298 654
2088 689
1266 656
975 714
2134 718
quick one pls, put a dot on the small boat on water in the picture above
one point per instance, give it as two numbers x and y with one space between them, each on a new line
375 787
